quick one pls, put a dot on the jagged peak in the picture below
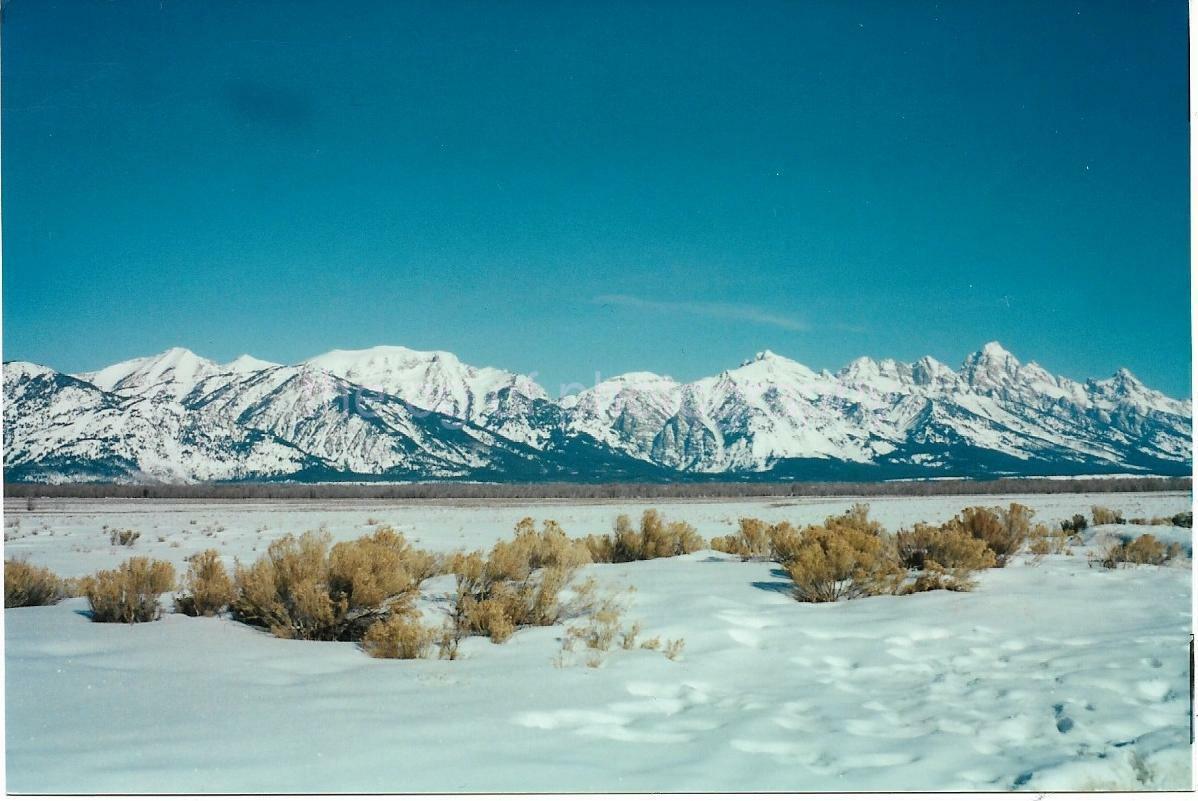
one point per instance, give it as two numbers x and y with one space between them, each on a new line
990 353
767 362
246 363
766 355
929 370
1122 380
1123 374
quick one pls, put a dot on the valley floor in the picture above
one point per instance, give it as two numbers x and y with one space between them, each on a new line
1052 674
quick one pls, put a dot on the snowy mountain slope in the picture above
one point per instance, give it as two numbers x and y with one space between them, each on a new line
772 409
58 427
439 382
400 414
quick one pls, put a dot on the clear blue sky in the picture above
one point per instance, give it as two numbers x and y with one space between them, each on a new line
565 188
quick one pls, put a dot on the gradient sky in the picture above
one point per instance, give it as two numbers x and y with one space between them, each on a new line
565 188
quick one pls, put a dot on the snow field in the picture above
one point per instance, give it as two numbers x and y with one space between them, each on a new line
1050 675
68 536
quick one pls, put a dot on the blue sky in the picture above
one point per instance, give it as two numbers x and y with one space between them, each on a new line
571 188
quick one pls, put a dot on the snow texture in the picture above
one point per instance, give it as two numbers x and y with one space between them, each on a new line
1051 675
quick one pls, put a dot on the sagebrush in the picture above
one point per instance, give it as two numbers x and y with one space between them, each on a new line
1004 530
207 587
1143 550
26 585
131 593
401 636
654 539
847 557
517 584
303 589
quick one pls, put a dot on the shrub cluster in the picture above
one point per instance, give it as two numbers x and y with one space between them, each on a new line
517 584
1003 530
129 594
1075 525
1043 540
123 536
207 588
1181 519
846 557
303 589
400 636
947 556
601 628
655 539
757 539
852 556
1103 516
1143 550
26 585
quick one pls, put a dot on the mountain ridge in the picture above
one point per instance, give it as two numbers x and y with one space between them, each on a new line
393 413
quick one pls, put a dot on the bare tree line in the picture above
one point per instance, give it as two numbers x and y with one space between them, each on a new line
449 490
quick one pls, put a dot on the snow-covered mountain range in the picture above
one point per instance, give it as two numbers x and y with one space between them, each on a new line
391 413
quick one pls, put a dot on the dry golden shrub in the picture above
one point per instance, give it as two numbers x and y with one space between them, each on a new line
129 594
601 627
492 617
751 541
847 557
1143 550
674 648
207 588
1044 540
549 547
946 556
400 636
784 542
26 585
302 589
517 584
1003 530
857 518
725 544
372 572
655 539
601 548
948 546
1102 516
286 590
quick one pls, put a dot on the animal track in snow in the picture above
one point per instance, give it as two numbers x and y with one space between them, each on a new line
657 714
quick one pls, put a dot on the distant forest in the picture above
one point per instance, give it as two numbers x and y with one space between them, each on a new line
281 491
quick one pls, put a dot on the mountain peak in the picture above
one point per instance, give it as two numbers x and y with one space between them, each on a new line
177 367
761 356
990 368
994 350
1126 375
246 363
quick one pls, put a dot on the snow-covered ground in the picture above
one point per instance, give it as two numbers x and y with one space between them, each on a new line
1050 675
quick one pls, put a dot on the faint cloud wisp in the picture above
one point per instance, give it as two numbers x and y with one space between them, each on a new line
727 311
277 107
